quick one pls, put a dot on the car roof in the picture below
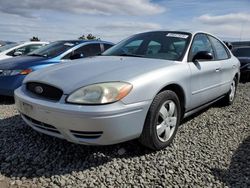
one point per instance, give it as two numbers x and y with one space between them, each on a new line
32 42
83 41
172 31
182 31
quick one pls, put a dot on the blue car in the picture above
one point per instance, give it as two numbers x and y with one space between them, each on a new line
14 70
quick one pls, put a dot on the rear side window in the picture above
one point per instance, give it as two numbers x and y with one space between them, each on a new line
220 50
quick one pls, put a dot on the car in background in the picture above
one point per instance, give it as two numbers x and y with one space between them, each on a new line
236 44
14 70
18 49
243 54
140 88
3 43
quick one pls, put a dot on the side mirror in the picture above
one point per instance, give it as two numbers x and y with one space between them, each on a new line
18 53
202 55
76 56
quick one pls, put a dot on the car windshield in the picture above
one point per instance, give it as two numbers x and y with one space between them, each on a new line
8 46
54 49
156 45
242 52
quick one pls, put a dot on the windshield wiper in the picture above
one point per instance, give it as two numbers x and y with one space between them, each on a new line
130 55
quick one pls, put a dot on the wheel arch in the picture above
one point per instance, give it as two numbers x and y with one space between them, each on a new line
179 92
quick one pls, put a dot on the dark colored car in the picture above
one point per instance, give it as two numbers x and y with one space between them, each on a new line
237 44
14 70
243 54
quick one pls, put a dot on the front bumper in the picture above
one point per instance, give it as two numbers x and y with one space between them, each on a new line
83 124
9 83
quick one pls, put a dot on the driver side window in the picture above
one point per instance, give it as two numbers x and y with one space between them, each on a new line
200 43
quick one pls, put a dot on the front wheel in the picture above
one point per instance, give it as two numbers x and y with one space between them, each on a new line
162 121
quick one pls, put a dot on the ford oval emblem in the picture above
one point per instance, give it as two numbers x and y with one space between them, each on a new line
39 89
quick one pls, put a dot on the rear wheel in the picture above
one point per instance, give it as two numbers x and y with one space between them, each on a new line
162 121
230 96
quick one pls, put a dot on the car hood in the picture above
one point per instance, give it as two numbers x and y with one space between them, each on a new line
21 62
70 76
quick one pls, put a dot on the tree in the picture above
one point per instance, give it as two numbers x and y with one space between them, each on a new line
88 37
82 37
34 39
91 37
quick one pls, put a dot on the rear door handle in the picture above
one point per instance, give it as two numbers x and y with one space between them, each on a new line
234 66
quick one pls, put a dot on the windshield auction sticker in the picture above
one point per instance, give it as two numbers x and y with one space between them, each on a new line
178 35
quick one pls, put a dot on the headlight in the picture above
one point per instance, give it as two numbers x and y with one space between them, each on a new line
15 72
101 93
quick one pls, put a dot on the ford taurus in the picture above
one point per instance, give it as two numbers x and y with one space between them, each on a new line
140 88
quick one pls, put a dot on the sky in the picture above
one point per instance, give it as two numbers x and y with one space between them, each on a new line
114 20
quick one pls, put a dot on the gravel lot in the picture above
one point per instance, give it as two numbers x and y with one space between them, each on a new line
212 149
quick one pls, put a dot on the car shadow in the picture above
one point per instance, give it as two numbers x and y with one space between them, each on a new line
245 78
27 153
6 100
238 173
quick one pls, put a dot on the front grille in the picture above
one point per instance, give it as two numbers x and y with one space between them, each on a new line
42 125
44 90
86 134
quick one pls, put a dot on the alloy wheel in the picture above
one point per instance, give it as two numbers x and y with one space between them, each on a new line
166 121
232 91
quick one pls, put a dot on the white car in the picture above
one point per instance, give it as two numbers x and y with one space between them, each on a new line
17 49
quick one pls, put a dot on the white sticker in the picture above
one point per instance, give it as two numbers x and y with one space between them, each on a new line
178 35
68 44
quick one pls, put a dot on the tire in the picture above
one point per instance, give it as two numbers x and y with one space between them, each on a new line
162 121
230 96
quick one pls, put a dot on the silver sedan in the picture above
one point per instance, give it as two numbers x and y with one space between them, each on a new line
139 89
